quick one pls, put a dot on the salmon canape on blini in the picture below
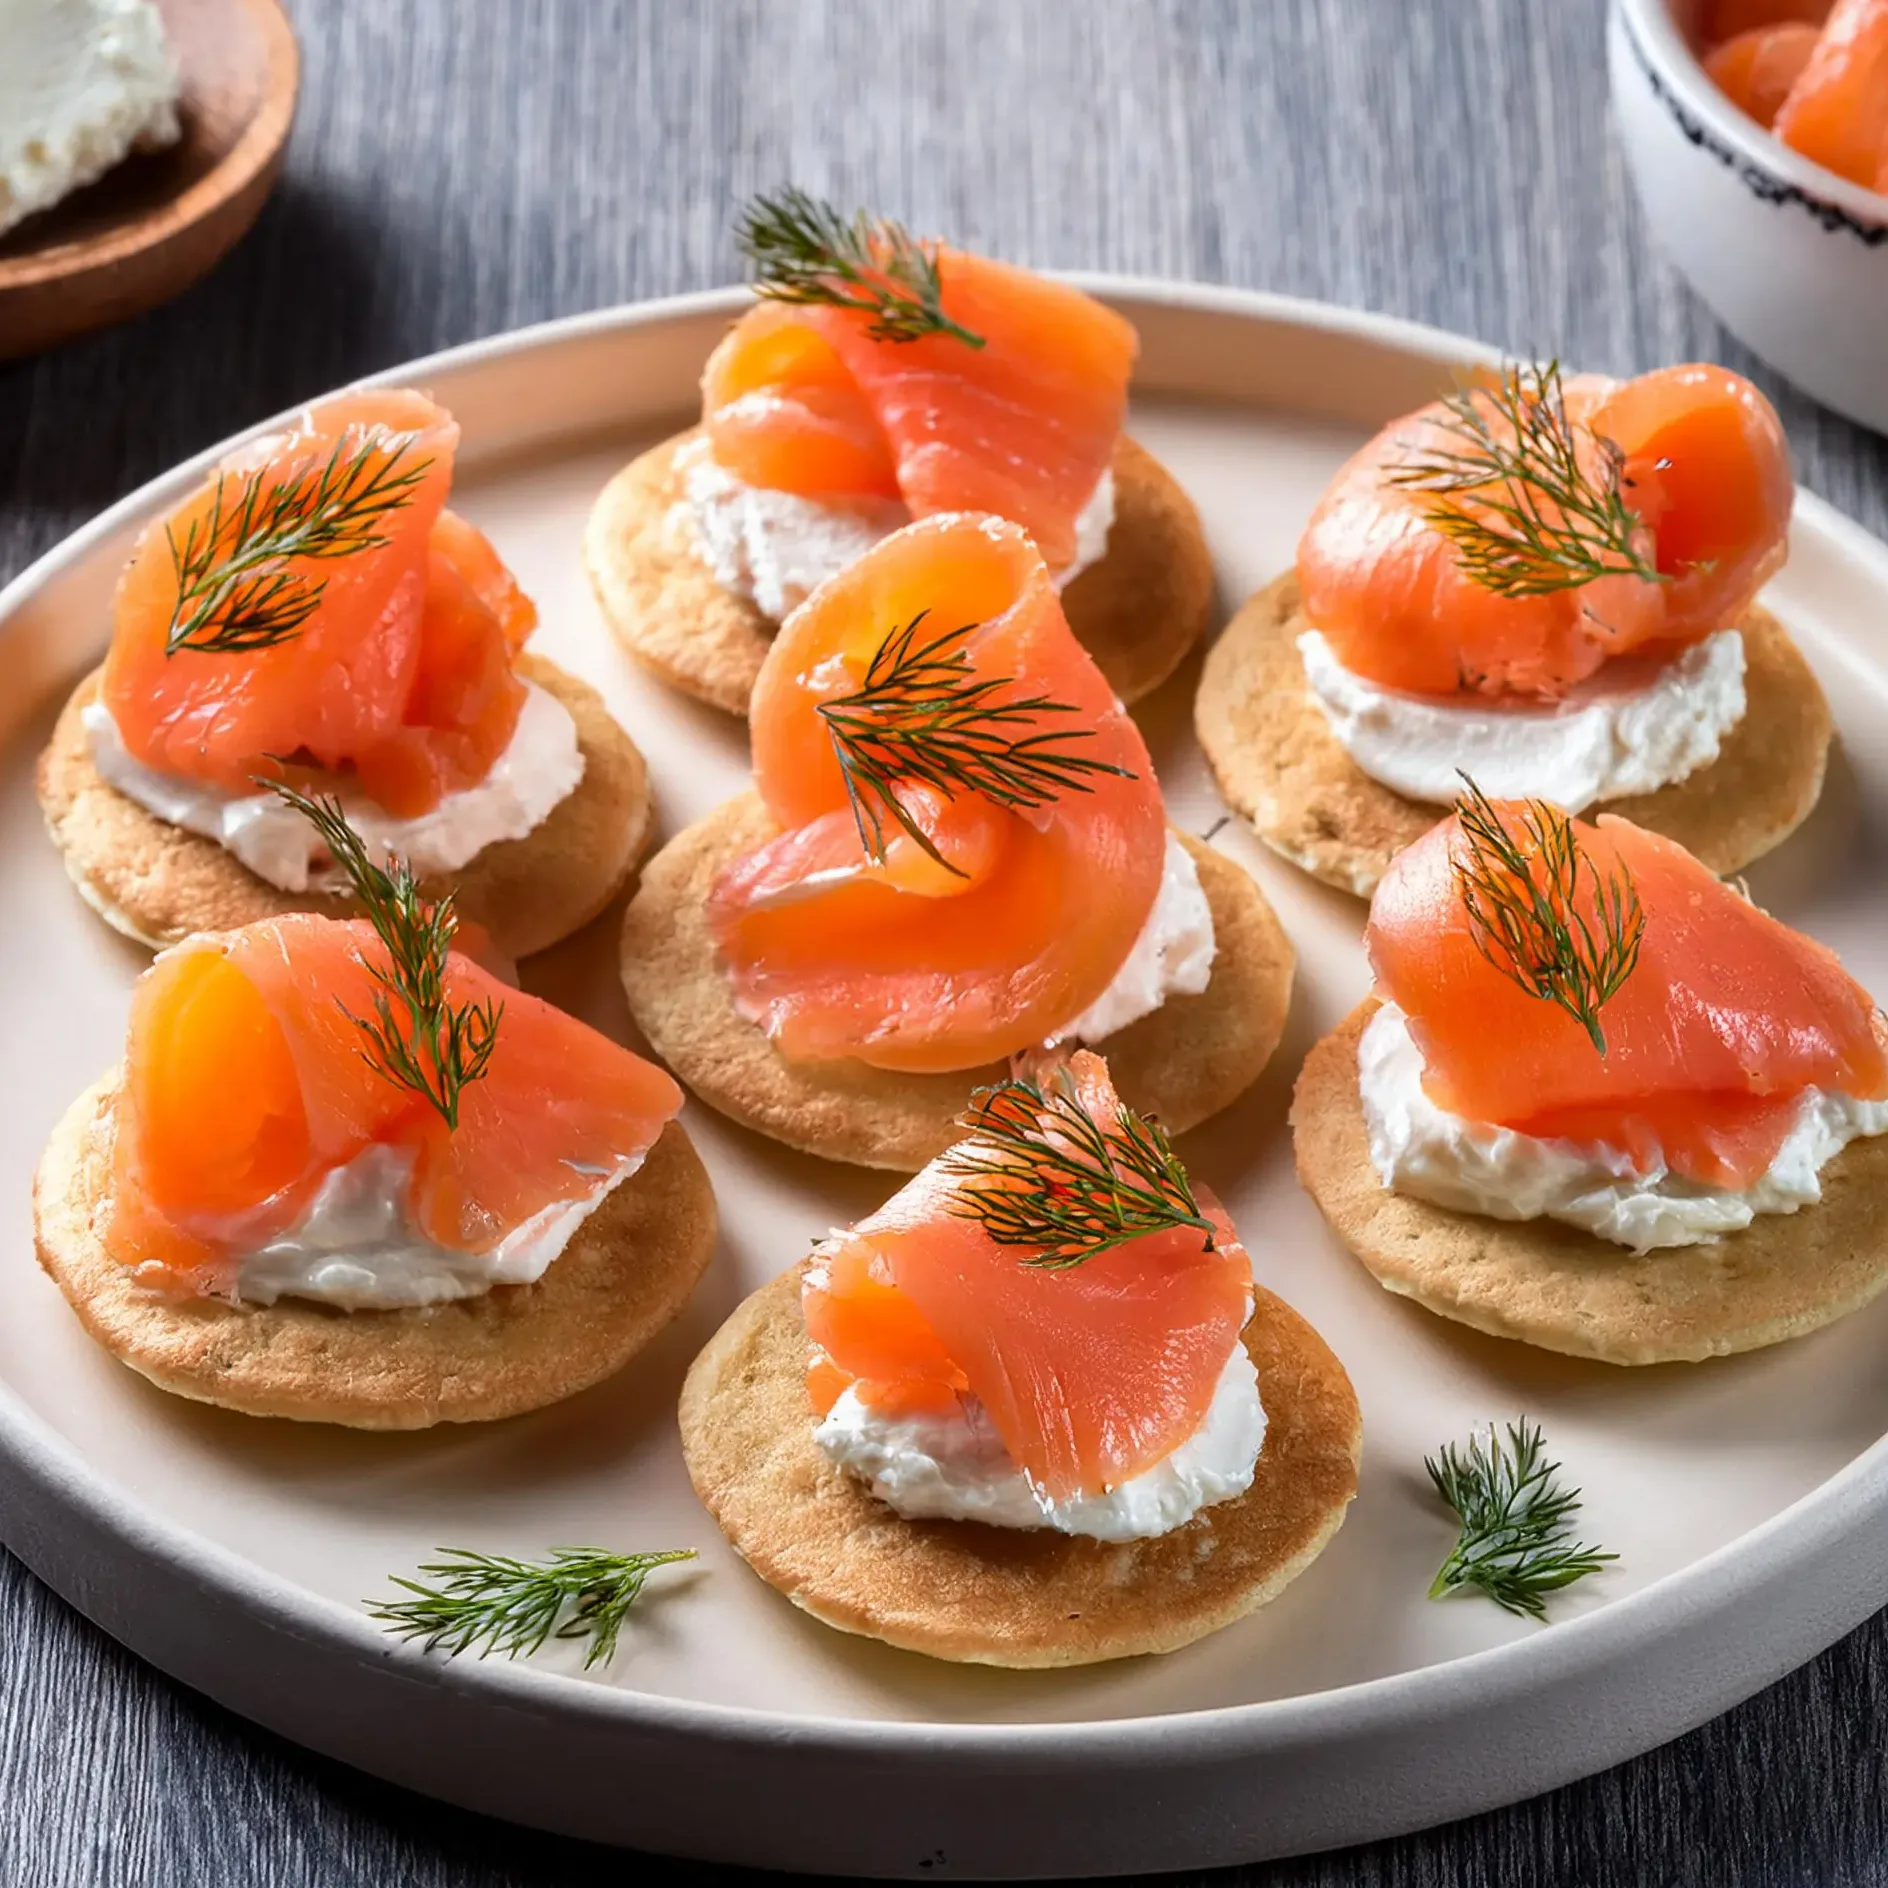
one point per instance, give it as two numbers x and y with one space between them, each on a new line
314 613
956 851
1033 1411
1600 1102
345 1174
1550 588
880 379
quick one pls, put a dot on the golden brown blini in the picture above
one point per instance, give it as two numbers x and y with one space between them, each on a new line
158 883
1278 763
628 1270
1190 1058
1137 611
1008 1596
1562 1289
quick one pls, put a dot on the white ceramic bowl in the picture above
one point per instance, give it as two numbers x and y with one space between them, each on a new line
1793 258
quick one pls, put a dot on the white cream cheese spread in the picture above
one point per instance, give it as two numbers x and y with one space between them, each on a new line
83 83
1477 1167
776 548
955 1467
1634 727
539 769
356 1246
1173 956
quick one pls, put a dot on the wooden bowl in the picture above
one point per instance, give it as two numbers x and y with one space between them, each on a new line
146 230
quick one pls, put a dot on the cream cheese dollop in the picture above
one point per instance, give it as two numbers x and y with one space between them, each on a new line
1477 1167
356 1246
1173 956
539 769
953 1466
83 84
1634 727
776 548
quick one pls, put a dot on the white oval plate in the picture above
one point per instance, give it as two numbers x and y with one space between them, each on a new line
1744 1497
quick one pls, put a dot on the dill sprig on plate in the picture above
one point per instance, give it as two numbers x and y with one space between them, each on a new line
487 1603
233 593
1530 500
921 713
434 1047
1516 1543
804 249
1041 1172
1523 897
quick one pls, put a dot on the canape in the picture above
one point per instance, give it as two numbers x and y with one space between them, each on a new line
314 613
1600 1102
956 850
880 379
1032 1412
344 1174
1551 588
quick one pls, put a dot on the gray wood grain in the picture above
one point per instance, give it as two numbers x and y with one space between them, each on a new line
462 166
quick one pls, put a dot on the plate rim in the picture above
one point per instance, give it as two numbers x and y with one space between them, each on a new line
1780 1549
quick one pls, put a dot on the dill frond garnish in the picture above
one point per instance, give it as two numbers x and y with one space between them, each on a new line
1515 1544
1525 906
1041 1172
922 714
804 249
486 1603
1527 511
436 1048
233 593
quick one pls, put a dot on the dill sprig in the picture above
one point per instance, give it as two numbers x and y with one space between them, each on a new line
434 1047
804 249
1526 512
1516 1543
1042 1172
233 593
921 713
488 1603
1525 908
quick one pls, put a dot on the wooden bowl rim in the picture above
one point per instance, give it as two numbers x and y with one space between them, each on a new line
252 153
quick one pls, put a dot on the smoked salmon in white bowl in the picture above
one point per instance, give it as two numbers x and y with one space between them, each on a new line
1792 256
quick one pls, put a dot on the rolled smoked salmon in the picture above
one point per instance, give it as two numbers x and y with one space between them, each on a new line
1702 468
399 668
985 925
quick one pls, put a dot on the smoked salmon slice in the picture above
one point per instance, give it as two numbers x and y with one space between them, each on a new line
1091 1373
245 1085
1697 460
315 602
1837 111
1015 410
1726 1018
1002 894
1756 69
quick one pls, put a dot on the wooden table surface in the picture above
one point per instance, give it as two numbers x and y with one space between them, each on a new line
463 166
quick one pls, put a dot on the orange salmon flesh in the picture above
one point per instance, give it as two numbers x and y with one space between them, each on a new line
804 399
912 963
1091 1374
245 1086
1703 467
401 675
1710 1043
